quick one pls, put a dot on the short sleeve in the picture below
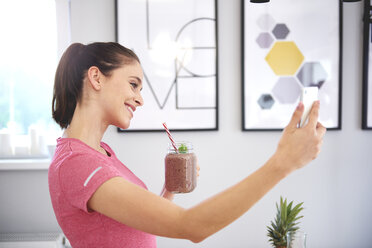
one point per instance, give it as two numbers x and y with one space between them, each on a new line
81 175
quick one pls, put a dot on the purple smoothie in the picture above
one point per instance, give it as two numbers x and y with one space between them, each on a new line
180 172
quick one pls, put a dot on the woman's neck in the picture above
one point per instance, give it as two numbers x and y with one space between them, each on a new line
87 126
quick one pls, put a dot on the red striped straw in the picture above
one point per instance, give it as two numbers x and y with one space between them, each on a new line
170 137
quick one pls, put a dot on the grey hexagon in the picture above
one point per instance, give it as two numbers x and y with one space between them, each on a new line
266 22
312 74
280 31
264 40
266 101
287 90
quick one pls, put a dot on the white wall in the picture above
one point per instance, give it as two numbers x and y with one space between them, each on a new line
335 187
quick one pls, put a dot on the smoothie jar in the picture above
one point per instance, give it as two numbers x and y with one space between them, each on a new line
180 168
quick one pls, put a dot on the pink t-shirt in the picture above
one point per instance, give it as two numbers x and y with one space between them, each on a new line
76 172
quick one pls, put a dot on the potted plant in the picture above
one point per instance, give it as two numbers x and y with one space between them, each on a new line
285 222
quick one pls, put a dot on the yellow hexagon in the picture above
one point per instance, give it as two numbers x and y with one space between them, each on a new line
284 58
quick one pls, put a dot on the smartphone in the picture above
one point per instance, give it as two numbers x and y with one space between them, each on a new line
308 96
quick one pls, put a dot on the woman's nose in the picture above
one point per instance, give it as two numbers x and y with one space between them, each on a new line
139 99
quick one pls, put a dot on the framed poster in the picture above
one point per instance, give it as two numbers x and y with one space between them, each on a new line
288 45
367 67
176 42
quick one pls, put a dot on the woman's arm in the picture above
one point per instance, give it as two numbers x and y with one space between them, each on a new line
136 207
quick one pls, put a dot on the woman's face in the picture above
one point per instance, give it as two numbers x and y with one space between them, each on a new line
122 94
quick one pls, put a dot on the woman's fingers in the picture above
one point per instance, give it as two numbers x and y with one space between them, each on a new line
296 117
321 130
314 114
197 169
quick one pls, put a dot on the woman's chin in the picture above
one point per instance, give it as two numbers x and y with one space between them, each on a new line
123 124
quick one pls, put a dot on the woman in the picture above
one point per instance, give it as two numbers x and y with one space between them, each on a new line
99 202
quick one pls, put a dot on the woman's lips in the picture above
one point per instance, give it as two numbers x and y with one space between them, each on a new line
130 108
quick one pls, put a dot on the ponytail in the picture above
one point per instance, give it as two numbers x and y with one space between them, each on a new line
70 73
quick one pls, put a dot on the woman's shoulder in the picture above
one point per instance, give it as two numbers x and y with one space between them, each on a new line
72 152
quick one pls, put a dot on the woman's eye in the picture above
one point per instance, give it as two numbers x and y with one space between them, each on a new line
134 85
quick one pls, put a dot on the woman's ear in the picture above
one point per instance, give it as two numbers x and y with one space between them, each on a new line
94 75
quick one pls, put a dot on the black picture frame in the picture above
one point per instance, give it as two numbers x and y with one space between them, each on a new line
337 64
367 67
198 114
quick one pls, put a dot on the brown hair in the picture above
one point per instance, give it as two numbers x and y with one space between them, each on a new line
74 63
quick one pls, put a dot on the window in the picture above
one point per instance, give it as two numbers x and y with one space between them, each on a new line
28 60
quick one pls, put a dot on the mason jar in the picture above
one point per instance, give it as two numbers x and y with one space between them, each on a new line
180 168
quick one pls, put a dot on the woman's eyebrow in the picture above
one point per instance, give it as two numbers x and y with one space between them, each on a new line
137 78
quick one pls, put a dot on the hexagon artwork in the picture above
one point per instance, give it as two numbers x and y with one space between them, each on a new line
266 101
280 31
284 58
264 40
287 90
312 74
266 22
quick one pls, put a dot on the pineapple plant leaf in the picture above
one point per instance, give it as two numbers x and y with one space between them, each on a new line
286 220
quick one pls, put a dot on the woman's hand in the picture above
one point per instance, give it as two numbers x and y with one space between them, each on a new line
298 146
166 194
169 195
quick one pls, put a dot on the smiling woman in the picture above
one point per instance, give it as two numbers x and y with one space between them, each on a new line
97 200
